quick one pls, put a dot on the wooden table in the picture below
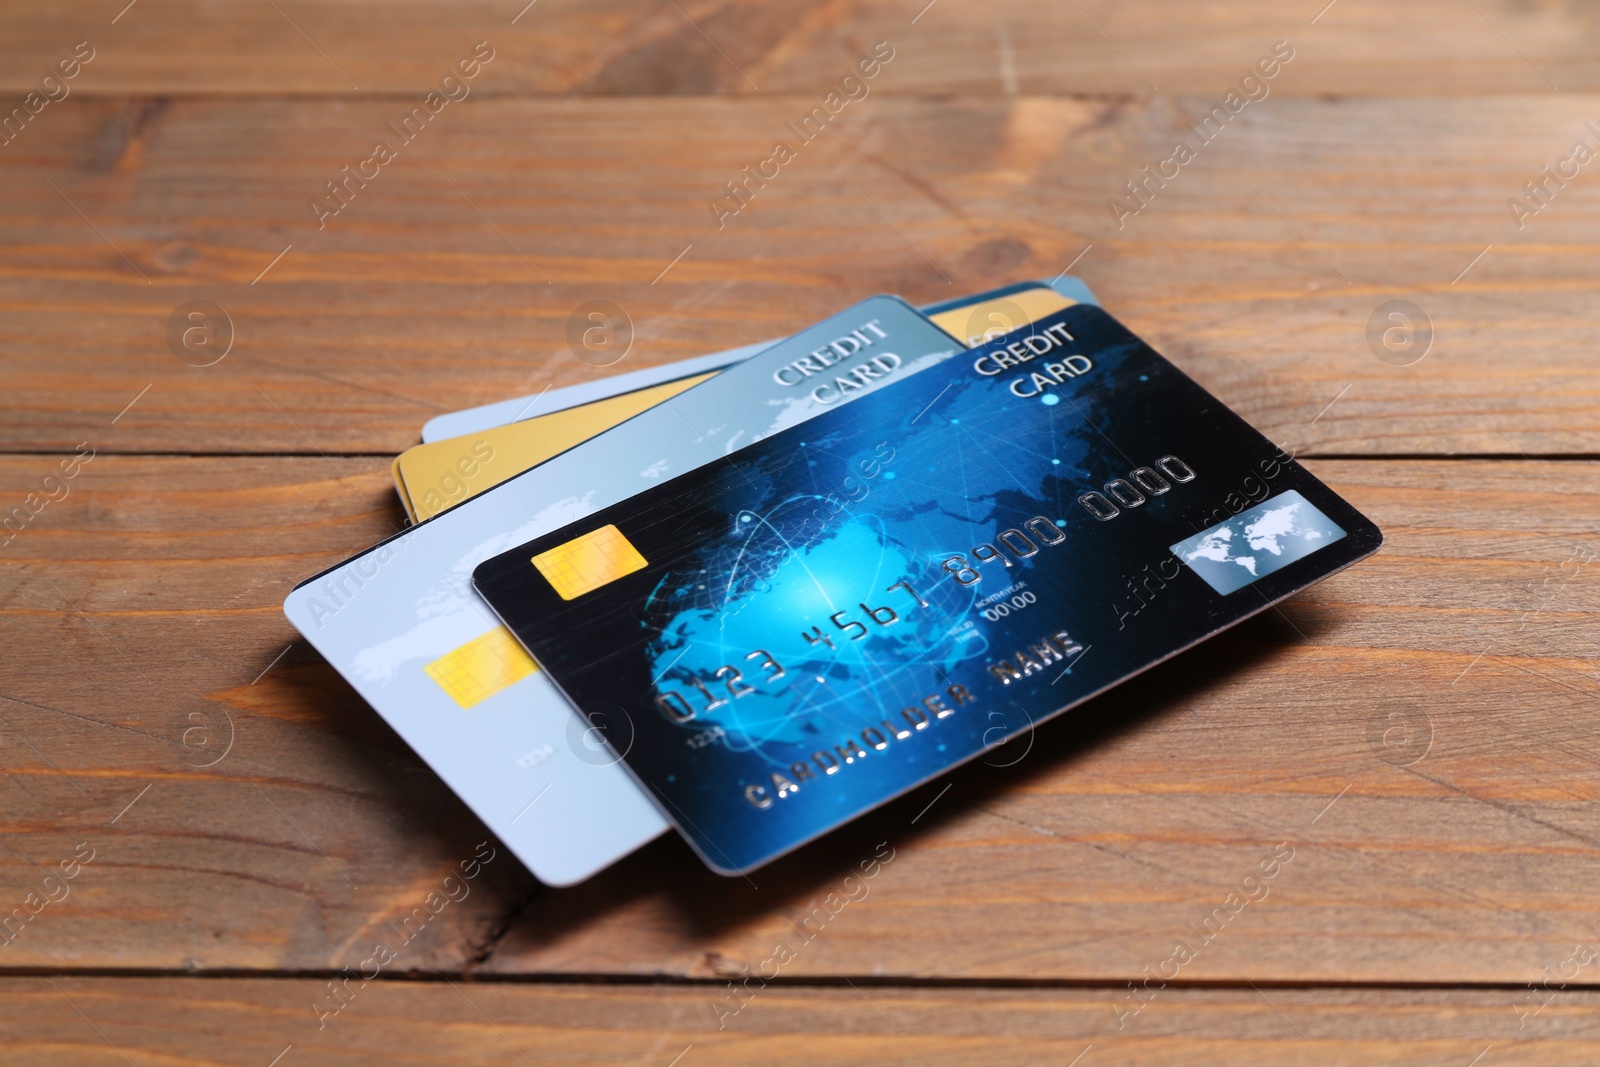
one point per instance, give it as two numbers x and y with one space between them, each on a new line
1418 733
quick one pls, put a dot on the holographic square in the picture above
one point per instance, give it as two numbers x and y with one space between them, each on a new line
1257 542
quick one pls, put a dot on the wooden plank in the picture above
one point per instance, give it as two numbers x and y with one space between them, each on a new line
428 291
174 47
204 1021
145 603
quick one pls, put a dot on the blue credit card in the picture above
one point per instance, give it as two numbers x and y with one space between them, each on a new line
796 633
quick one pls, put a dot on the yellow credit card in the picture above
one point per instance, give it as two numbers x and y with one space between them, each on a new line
400 489
441 474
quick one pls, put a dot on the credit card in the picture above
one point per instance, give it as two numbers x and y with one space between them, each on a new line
400 489
437 475
796 633
534 405
403 625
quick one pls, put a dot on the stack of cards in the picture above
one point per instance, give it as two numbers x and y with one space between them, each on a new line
755 595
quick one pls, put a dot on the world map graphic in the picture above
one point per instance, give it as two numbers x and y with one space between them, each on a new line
1257 542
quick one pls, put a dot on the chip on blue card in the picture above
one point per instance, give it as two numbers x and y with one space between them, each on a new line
815 624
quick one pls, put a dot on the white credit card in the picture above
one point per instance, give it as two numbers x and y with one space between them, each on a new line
402 623
501 412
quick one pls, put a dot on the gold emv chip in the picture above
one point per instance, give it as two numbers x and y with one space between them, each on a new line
481 668
585 563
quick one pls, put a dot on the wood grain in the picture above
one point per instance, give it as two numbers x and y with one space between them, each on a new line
1408 748
145 604
449 279
207 1022
179 47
